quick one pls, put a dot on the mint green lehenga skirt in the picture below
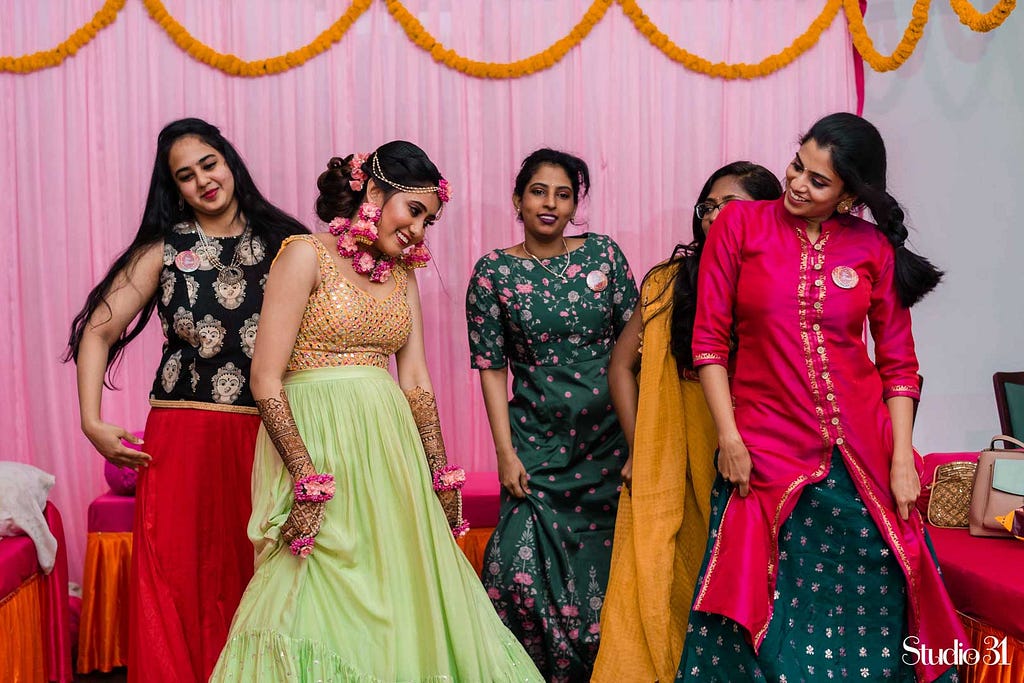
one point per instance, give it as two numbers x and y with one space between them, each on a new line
387 595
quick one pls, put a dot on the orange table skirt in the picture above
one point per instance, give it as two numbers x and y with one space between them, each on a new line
103 631
474 544
22 657
983 637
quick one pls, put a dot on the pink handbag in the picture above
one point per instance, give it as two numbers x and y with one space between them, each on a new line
998 487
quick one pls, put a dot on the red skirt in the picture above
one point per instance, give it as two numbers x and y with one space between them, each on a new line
191 558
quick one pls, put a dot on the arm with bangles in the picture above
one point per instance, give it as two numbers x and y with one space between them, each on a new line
414 380
294 275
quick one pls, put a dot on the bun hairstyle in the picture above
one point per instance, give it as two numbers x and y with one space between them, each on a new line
574 167
398 163
858 157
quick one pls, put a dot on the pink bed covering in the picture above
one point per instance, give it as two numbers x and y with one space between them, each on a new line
111 512
481 499
983 577
17 564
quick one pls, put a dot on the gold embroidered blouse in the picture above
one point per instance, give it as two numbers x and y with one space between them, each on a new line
346 325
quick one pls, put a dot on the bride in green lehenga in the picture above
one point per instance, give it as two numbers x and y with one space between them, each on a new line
358 575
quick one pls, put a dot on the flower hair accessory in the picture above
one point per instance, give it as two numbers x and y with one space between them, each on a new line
317 488
356 171
449 478
444 190
302 546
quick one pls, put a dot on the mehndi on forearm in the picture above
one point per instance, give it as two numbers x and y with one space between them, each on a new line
279 422
424 413
447 479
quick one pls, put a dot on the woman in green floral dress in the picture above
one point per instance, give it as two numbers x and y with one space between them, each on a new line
550 309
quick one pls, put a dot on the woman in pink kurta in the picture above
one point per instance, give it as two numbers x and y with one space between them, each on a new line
818 565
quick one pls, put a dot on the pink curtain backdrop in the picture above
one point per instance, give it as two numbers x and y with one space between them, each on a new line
77 144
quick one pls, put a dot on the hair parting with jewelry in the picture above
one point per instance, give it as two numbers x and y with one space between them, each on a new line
396 166
858 157
760 184
164 209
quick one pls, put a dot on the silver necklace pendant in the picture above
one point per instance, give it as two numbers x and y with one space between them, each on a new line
230 275
568 261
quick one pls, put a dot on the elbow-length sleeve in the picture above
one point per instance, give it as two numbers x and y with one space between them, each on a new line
624 292
716 289
889 321
484 317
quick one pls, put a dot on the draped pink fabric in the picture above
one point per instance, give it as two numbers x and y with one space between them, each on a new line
57 616
77 144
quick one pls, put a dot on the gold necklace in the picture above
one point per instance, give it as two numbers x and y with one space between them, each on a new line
568 260
230 274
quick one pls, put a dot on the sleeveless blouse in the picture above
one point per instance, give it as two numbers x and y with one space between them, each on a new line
209 327
346 325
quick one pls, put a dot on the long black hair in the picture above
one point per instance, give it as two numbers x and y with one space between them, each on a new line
163 211
574 167
858 157
759 183
399 161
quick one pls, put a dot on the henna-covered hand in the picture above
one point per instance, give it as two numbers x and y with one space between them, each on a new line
303 521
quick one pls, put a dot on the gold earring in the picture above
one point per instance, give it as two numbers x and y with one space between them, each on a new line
844 206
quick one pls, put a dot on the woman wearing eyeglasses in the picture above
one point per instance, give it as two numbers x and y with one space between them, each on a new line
662 523
818 565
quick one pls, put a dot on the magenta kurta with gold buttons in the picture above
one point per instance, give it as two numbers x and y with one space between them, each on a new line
803 383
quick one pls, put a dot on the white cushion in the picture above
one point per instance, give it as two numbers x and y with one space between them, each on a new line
23 492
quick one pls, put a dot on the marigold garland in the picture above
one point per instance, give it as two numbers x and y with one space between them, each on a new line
982 23
766 66
523 67
75 42
234 66
866 47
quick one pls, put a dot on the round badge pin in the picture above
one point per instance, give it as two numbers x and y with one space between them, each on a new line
597 280
187 261
845 277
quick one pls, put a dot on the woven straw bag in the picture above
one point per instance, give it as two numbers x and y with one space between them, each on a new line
950 502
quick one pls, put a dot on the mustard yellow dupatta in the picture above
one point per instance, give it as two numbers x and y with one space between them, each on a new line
662 528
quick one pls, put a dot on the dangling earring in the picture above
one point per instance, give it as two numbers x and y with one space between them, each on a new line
519 213
365 227
181 203
845 205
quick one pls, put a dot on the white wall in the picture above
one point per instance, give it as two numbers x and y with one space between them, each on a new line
953 122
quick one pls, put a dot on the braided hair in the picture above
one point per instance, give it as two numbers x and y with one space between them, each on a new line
858 157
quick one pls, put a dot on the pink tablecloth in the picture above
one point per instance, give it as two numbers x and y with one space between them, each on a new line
111 512
17 563
983 576
481 500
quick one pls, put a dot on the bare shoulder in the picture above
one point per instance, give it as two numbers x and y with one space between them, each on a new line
298 254
146 265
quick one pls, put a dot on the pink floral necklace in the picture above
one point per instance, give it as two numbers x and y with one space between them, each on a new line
364 231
